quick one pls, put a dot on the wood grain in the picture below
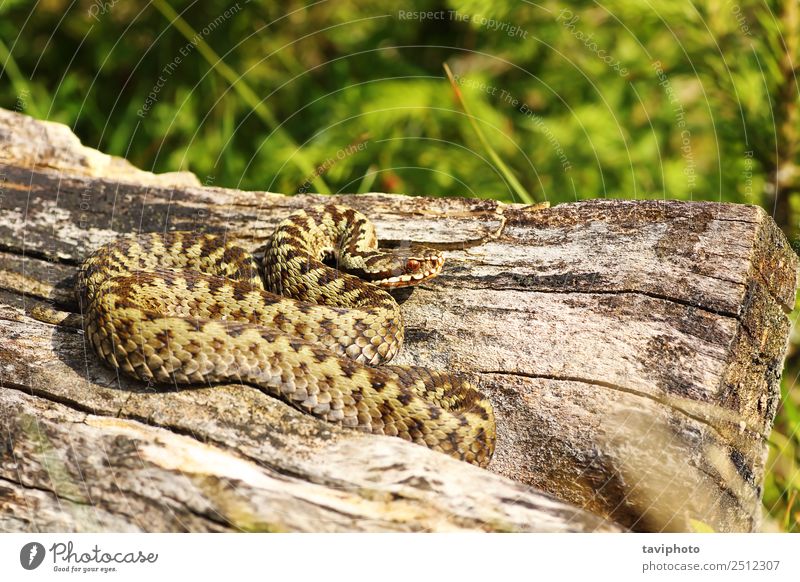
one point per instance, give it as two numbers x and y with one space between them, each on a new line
632 350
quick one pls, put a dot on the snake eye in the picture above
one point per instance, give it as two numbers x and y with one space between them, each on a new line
412 264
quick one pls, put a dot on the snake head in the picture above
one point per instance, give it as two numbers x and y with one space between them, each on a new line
402 267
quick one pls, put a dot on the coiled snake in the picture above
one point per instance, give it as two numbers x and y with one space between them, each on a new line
191 308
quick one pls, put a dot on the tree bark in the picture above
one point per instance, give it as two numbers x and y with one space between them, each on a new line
632 351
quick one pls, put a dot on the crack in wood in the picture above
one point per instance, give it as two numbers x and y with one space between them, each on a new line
668 403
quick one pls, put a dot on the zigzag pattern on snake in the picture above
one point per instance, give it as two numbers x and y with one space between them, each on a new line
191 308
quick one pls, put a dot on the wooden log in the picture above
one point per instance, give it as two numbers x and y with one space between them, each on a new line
632 351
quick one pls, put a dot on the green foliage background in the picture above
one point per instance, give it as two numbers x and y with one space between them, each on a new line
275 90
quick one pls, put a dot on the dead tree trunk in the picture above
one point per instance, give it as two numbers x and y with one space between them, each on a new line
632 350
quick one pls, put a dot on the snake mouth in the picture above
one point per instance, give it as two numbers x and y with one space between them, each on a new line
408 279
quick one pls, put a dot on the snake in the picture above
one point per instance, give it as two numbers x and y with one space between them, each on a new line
312 323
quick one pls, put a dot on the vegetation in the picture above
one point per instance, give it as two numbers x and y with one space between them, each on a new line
545 101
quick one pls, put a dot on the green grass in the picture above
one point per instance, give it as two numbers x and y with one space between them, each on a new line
782 483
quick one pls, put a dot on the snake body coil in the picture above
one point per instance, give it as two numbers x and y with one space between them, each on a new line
190 308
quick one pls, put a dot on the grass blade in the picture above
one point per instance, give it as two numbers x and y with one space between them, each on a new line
518 188
238 84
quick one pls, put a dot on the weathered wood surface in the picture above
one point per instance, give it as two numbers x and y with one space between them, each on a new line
632 351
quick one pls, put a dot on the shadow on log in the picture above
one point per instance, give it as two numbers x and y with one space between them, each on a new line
632 351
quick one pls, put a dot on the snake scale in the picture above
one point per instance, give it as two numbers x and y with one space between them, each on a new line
192 308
